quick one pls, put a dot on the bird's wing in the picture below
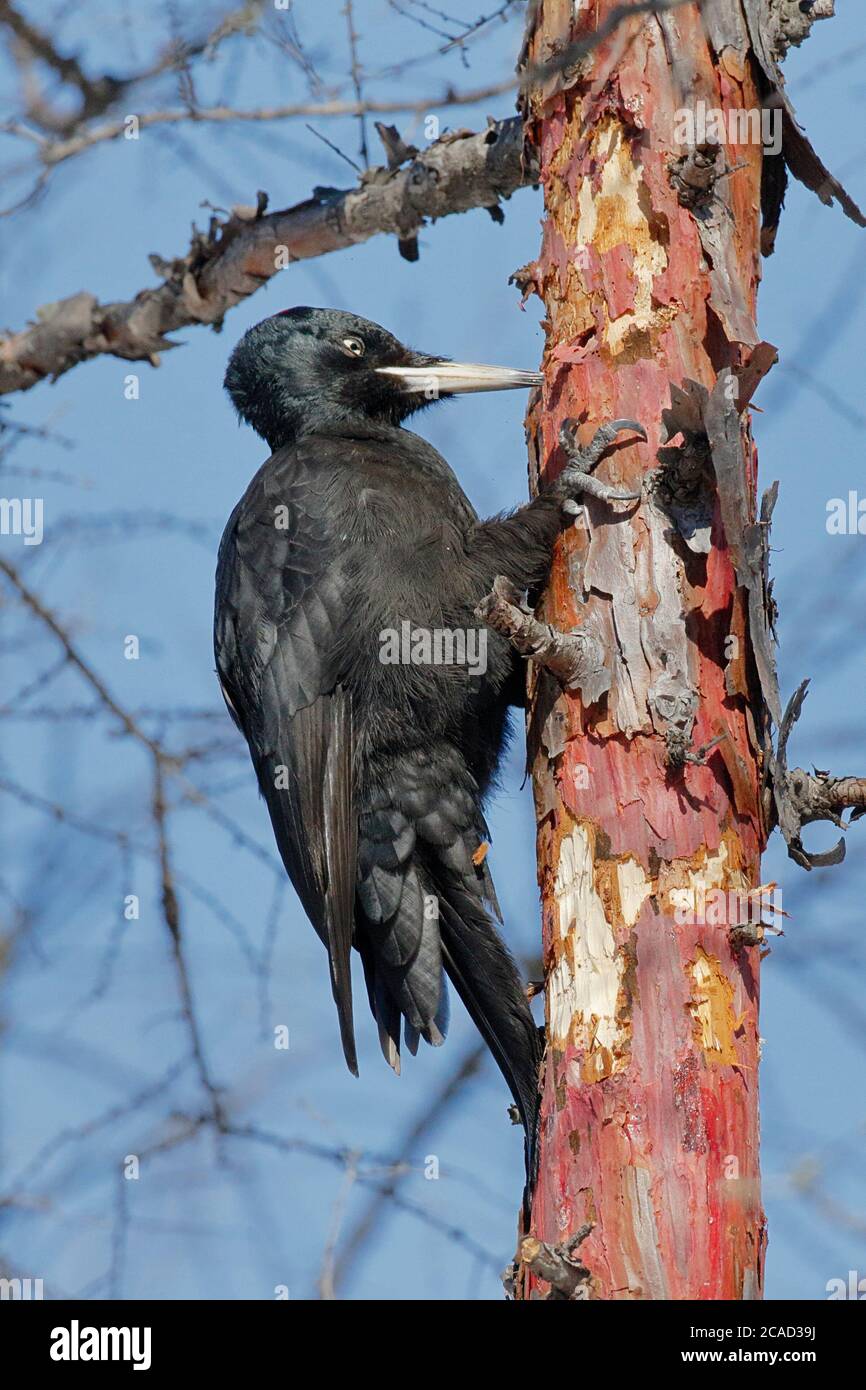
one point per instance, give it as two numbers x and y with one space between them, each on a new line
279 609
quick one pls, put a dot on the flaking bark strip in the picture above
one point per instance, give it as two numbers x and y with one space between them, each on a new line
746 540
702 178
712 1010
773 26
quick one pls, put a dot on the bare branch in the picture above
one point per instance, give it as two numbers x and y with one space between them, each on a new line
357 78
162 761
371 1218
236 257
171 917
54 151
37 607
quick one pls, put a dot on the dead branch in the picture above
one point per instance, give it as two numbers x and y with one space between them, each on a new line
234 258
797 798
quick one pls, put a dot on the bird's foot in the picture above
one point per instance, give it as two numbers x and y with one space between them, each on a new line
578 660
577 476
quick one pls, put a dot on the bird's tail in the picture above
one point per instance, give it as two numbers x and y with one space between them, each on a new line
483 972
425 901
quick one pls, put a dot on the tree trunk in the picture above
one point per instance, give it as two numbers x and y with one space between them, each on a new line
648 271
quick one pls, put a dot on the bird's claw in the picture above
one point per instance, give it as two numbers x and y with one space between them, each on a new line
577 476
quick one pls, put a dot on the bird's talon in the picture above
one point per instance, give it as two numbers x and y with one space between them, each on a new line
586 457
577 475
617 426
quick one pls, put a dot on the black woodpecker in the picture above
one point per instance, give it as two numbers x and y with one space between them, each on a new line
352 542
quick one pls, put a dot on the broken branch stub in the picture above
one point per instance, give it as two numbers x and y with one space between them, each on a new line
558 1265
799 798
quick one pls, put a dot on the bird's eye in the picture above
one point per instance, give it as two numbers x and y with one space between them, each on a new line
354 346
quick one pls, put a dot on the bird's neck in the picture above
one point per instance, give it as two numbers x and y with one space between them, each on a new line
332 424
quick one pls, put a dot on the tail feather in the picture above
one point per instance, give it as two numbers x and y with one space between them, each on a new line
422 841
384 1010
485 976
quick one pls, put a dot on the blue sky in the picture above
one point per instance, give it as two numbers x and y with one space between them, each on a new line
88 1001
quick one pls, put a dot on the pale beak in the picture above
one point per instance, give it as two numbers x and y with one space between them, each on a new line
456 378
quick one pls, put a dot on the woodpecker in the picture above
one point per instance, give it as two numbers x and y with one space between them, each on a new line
374 758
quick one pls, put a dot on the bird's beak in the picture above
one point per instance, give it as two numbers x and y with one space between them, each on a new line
455 378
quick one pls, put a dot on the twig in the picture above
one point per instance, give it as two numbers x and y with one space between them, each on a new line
355 70
372 1217
327 1287
55 151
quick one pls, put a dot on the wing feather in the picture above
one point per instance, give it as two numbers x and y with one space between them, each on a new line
279 600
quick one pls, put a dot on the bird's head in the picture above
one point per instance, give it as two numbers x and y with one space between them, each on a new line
312 369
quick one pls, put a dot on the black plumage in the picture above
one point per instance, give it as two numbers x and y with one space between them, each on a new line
375 774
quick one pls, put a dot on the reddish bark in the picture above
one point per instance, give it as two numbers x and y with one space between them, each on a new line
650 1087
